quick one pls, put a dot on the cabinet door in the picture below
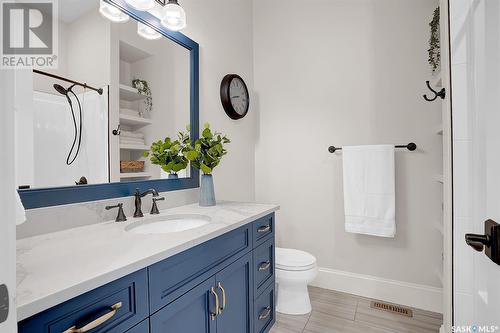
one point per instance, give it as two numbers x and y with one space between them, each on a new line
190 313
235 287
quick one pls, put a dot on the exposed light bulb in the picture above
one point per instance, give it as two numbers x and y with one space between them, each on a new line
143 5
112 13
147 32
174 16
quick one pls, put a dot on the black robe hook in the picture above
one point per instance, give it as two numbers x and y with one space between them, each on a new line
441 93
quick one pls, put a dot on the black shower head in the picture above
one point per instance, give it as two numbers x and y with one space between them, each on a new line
60 89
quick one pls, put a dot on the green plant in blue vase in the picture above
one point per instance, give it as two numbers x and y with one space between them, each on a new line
205 155
169 154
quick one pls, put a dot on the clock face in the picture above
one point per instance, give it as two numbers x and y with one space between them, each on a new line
239 96
234 96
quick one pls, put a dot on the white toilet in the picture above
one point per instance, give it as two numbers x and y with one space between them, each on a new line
295 269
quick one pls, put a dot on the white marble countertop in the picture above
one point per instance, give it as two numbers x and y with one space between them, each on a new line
55 267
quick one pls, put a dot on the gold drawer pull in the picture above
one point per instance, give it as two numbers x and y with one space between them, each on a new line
264 228
264 266
99 321
214 315
219 285
265 314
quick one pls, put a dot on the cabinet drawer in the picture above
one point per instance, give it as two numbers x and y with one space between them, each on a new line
264 311
175 276
263 228
118 306
141 328
263 266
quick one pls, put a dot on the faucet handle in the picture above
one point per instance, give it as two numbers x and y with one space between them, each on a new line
121 214
154 209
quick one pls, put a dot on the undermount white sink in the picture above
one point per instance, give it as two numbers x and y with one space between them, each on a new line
168 224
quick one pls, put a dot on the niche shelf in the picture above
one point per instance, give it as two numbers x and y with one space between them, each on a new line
439 179
128 175
133 121
130 94
133 147
437 80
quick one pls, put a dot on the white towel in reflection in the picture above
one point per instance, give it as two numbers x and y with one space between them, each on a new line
128 134
369 190
20 211
133 141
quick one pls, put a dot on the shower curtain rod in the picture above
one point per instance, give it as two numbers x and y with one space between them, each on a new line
99 91
411 147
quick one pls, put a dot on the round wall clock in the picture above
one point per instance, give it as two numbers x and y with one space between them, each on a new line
234 96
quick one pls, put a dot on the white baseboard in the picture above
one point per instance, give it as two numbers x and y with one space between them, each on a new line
403 293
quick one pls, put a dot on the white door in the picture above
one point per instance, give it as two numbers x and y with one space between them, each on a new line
7 201
475 72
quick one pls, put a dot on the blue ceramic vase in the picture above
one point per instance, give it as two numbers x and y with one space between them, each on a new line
207 193
173 176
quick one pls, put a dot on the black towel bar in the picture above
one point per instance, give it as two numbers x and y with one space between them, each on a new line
411 147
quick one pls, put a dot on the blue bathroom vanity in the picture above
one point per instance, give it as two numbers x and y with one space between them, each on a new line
224 284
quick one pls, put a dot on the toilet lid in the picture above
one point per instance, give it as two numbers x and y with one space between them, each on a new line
294 260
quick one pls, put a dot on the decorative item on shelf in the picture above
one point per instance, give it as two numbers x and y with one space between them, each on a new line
205 156
171 155
131 166
234 96
434 43
143 89
441 93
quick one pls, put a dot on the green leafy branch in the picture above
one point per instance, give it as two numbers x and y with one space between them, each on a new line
142 87
208 150
169 154
434 46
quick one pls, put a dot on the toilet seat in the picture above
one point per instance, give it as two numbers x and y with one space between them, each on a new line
294 260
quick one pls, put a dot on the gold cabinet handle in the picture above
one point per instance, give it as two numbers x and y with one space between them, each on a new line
219 285
214 315
98 322
264 266
265 314
263 229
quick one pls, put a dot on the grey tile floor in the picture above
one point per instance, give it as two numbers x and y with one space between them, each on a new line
335 312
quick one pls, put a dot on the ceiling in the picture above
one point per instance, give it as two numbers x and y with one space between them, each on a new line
71 10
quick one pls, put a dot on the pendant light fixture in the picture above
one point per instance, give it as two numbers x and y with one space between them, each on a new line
147 32
174 16
112 13
143 5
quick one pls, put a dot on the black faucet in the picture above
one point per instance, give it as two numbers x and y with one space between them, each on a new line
121 215
138 200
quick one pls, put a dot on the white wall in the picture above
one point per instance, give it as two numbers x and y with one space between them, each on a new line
337 72
223 28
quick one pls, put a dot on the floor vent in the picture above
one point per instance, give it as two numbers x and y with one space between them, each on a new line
392 308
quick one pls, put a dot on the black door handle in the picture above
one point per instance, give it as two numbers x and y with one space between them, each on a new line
477 242
489 242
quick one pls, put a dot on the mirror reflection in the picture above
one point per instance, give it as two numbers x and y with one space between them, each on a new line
118 88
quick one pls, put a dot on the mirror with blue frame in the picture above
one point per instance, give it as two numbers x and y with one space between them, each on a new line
114 112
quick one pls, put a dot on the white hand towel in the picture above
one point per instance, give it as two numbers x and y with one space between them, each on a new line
20 211
369 190
132 141
128 134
